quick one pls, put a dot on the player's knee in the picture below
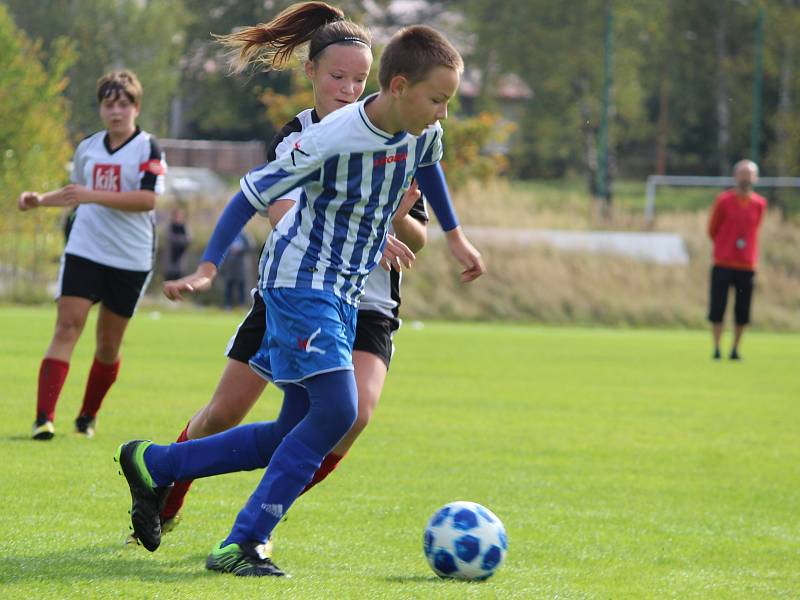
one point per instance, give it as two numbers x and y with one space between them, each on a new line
219 418
365 410
68 328
107 351
344 415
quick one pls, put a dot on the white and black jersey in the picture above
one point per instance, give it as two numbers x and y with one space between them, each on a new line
111 237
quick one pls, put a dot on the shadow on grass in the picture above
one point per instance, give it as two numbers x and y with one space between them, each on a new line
429 579
100 563
412 579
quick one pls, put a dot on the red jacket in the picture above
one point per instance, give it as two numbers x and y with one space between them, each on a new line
734 228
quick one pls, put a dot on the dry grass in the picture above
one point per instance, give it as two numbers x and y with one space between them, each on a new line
543 284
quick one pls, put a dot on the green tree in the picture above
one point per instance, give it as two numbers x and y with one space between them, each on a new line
34 151
147 37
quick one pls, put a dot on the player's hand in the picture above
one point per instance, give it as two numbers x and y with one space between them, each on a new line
28 201
74 194
466 254
409 199
198 281
396 254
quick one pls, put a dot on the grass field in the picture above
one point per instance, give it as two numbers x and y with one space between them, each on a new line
624 464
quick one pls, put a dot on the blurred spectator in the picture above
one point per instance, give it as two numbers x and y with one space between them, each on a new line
177 242
733 227
234 270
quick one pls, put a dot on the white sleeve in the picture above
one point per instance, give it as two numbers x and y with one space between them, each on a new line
267 183
435 149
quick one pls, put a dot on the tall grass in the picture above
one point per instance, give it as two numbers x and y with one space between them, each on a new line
543 284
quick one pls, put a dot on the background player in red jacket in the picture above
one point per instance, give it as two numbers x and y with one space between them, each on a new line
733 227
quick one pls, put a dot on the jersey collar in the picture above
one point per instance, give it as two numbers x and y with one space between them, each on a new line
107 141
388 138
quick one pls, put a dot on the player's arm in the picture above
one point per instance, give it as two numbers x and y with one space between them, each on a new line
715 220
151 184
31 200
409 226
434 187
236 215
134 201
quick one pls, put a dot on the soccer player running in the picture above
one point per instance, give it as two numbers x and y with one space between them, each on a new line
733 227
338 65
354 168
116 175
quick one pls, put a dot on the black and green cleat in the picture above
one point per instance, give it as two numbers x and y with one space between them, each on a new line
243 560
147 499
167 526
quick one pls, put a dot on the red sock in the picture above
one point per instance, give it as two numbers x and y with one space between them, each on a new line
52 374
329 463
178 492
101 376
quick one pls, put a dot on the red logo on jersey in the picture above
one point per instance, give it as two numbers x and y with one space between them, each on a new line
400 156
107 178
154 166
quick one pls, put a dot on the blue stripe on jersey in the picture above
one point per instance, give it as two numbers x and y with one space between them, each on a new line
253 190
418 152
283 243
342 219
366 225
308 265
398 178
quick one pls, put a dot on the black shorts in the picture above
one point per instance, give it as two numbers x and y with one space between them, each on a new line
722 278
373 333
118 289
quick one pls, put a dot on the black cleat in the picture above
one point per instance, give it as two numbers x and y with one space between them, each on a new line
86 425
243 560
716 355
167 525
147 499
734 355
43 428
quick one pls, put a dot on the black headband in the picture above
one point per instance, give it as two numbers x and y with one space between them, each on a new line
348 38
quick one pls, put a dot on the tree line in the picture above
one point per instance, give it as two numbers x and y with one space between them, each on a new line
682 99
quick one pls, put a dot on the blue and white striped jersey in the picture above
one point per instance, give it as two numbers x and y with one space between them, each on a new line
353 176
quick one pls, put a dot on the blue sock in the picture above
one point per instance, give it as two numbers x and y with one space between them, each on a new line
333 407
242 448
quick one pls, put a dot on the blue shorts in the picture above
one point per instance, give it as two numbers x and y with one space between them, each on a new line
309 332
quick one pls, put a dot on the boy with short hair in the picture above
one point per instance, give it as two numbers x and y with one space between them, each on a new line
354 168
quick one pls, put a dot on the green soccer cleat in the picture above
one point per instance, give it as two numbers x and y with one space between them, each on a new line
147 499
243 560
43 428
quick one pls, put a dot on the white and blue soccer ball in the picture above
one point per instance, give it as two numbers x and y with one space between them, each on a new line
464 540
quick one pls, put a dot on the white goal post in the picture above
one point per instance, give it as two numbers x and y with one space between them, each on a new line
703 181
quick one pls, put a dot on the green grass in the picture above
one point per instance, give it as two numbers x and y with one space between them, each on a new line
623 464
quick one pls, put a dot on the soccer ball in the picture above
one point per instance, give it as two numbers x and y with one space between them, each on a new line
464 540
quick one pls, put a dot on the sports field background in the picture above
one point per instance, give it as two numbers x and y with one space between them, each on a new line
624 463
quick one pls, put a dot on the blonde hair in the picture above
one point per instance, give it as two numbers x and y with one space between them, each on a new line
271 45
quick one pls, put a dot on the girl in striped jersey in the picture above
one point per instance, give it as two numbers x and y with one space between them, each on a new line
313 273
116 175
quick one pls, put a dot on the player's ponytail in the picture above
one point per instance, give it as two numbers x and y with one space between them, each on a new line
271 45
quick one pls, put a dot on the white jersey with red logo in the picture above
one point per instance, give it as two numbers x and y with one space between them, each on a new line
116 238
